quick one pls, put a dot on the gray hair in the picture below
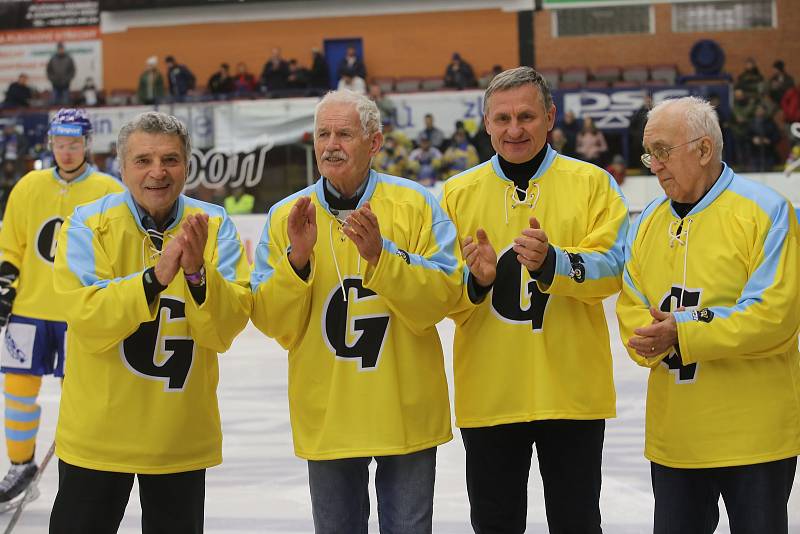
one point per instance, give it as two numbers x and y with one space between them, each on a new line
699 116
367 109
513 78
154 122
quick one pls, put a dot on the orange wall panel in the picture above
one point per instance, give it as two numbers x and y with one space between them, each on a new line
764 45
394 45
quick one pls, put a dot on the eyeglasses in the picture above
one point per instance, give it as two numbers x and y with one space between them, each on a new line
662 153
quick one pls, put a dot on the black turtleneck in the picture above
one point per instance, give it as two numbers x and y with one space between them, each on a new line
337 202
520 174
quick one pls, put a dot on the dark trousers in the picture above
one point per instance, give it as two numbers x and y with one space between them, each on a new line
93 502
756 497
499 460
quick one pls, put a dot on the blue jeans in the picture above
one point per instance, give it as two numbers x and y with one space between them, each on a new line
404 484
756 497
60 96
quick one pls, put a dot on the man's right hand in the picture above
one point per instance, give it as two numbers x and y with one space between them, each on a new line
481 258
302 230
169 262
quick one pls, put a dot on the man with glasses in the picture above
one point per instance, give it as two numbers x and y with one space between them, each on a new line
709 303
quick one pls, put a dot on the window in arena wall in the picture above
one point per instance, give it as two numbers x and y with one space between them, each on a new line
576 22
723 15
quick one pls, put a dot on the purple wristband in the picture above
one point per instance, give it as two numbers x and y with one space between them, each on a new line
196 279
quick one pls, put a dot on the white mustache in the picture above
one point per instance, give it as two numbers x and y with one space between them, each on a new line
336 154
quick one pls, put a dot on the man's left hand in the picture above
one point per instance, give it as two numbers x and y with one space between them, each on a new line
362 228
194 237
656 338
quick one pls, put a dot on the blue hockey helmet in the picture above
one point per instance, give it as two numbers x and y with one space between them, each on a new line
70 122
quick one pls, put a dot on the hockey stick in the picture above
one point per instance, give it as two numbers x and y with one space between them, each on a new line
32 487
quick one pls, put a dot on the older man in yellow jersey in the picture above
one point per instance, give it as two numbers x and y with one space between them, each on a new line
542 237
709 304
352 274
155 285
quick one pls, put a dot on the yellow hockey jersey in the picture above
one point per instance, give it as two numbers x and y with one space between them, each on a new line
36 209
529 352
141 380
366 372
729 393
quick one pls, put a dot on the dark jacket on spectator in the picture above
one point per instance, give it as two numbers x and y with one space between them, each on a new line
60 70
18 96
181 80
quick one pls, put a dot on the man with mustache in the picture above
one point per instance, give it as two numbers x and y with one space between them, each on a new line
352 274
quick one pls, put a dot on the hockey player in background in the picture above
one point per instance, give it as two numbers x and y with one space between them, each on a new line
34 336
155 285
352 274
542 237
710 304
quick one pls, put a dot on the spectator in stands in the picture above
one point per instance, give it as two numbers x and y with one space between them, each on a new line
459 74
181 79
723 116
239 202
763 135
151 83
617 169
275 75
390 132
790 104
571 127
244 82
482 142
220 85
89 95
18 94
111 165
591 145
460 155
636 130
779 82
9 176
384 103
750 80
60 72
392 158
793 160
13 147
352 83
319 70
558 140
742 112
497 69
434 134
352 64
298 76
425 161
